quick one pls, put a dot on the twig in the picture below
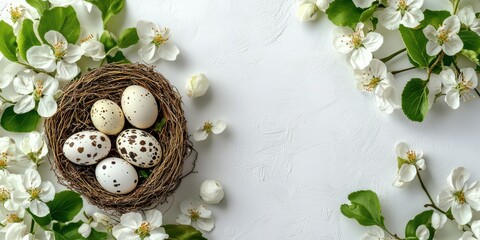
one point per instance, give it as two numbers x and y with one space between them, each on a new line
386 59
403 70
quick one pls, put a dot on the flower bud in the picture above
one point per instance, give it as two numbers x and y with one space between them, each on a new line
306 11
197 85
85 230
211 191
101 218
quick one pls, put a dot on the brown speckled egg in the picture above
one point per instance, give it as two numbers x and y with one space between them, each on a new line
139 106
116 175
139 148
87 147
107 116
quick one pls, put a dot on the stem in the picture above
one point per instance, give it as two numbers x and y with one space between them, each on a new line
455 6
430 69
391 234
403 70
478 93
35 69
386 59
32 226
425 190
6 100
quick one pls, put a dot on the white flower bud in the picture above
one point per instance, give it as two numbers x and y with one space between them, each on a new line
85 230
211 191
197 85
101 218
306 11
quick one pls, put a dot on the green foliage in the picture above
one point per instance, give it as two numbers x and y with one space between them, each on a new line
471 41
424 218
42 221
65 206
472 56
159 125
40 5
8 44
25 122
416 44
344 13
183 232
62 20
118 58
128 38
415 99
365 208
368 14
108 40
26 39
67 231
434 18
108 8
96 235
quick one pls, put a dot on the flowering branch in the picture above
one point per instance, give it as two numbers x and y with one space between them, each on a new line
388 58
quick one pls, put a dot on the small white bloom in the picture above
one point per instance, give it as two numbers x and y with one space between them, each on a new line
132 226
11 216
375 78
100 218
33 193
475 234
409 161
363 3
211 192
91 46
444 38
307 9
456 87
197 85
401 12
85 229
438 220
15 231
374 233
33 88
8 183
66 3
467 17
34 146
459 196
193 211
9 71
58 55
156 44
15 14
422 232
10 160
209 127
358 45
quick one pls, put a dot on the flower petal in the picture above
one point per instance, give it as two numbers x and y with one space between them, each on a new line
148 53
67 71
457 179
24 105
154 217
184 219
132 220
48 191
373 41
452 98
168 51
422 232
433 48
146 31
73 53
438 220
360 58
407 172
453 46
219 126
56 38
188 204
200 135
461 212
42 57
39 208
47 106
445 199
206 224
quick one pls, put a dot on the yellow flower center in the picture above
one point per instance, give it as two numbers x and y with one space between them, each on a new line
34 193
13 218
372 84
161 36
460 197
357 39
87 38
144 230
442 37
402 6
412 156
16 14
38 92
207 127
58 50
4 194
194 214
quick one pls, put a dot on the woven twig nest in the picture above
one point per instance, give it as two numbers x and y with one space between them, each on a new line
73 115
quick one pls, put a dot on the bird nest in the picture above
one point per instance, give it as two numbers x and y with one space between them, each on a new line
73 115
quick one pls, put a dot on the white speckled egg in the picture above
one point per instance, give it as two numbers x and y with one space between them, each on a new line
116 175
139 106
107 116
139 148
87 147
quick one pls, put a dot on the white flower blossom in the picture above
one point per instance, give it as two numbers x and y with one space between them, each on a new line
15 14
458 87
9 71
35 88
156 43
57 55
91 46
33 193
11 216
8 183
307 9
438 220
375 78
444 38
133 226
10 160
422 232
193 211
34 146
207 128
409 161
467 17
474 234
374 233
357 45
401 12
211 192
15 231
459 196
197 85
66 3
93 221
363 3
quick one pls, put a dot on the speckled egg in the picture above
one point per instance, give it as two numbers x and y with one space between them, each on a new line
139 106
116 175
107 116
139 148
87 147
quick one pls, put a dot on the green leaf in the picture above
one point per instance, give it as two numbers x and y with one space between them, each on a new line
96 235
401 161
26 39
65 206
25 122
365 208
424 218
159 125
42 221
415 99
344 13
62 20
118 58
471 41
8 44
144 173
67 231
368 14
416 44
472 56
183 232
108 40
40 5
108 8
434 18
128 38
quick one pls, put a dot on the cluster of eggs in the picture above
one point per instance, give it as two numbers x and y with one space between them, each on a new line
135 146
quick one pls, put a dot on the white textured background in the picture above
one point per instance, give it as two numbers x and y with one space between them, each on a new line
300 137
